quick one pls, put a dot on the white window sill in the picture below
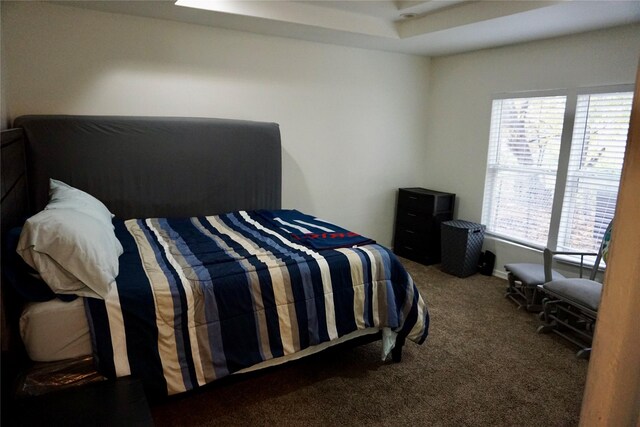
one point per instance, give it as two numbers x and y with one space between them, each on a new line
573 261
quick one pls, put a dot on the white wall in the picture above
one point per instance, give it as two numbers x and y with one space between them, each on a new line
460 95
352 120
356 124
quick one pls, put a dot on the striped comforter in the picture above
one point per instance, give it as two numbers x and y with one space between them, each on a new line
200 298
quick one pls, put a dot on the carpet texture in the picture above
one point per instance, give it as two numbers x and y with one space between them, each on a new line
482 365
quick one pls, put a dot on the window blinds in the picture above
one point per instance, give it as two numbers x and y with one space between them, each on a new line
524 147
595 164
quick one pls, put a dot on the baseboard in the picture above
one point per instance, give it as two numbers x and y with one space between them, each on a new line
500 273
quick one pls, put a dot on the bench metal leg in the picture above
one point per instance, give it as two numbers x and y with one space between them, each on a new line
522 294
571 324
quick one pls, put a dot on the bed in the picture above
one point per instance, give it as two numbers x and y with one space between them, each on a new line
215 277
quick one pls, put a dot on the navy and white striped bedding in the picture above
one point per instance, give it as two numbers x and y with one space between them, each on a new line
200 298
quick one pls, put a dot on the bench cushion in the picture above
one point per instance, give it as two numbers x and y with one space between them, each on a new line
581 291
531 274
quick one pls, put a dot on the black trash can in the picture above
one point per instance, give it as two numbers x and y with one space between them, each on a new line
461 244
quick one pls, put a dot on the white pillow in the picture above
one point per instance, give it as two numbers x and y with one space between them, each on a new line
74 252
64 196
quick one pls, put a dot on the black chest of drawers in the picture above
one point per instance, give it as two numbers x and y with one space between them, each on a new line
418 217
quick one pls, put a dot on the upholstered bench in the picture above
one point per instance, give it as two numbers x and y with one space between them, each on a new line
570 310
524 279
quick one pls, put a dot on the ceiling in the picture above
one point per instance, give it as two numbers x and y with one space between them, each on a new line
430 28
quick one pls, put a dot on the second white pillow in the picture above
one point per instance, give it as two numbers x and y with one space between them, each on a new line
74 253
64 196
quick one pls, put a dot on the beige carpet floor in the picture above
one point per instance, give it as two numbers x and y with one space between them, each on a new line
482 365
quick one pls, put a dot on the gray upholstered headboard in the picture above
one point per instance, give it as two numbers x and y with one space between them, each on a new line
156 166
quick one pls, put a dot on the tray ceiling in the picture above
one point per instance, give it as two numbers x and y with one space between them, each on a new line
427 28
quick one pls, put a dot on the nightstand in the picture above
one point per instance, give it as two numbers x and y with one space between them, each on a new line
419 214
119 402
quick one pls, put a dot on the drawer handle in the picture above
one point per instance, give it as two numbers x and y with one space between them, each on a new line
413 198
410 214
408 247
410 231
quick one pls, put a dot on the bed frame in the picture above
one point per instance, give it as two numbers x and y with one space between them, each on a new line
141 167
156 167
15 208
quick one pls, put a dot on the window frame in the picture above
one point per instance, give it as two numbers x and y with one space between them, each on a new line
562 171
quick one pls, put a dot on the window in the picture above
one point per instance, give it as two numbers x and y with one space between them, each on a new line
597 152
522 167
554 166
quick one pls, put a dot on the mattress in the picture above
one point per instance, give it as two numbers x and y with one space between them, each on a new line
55 330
